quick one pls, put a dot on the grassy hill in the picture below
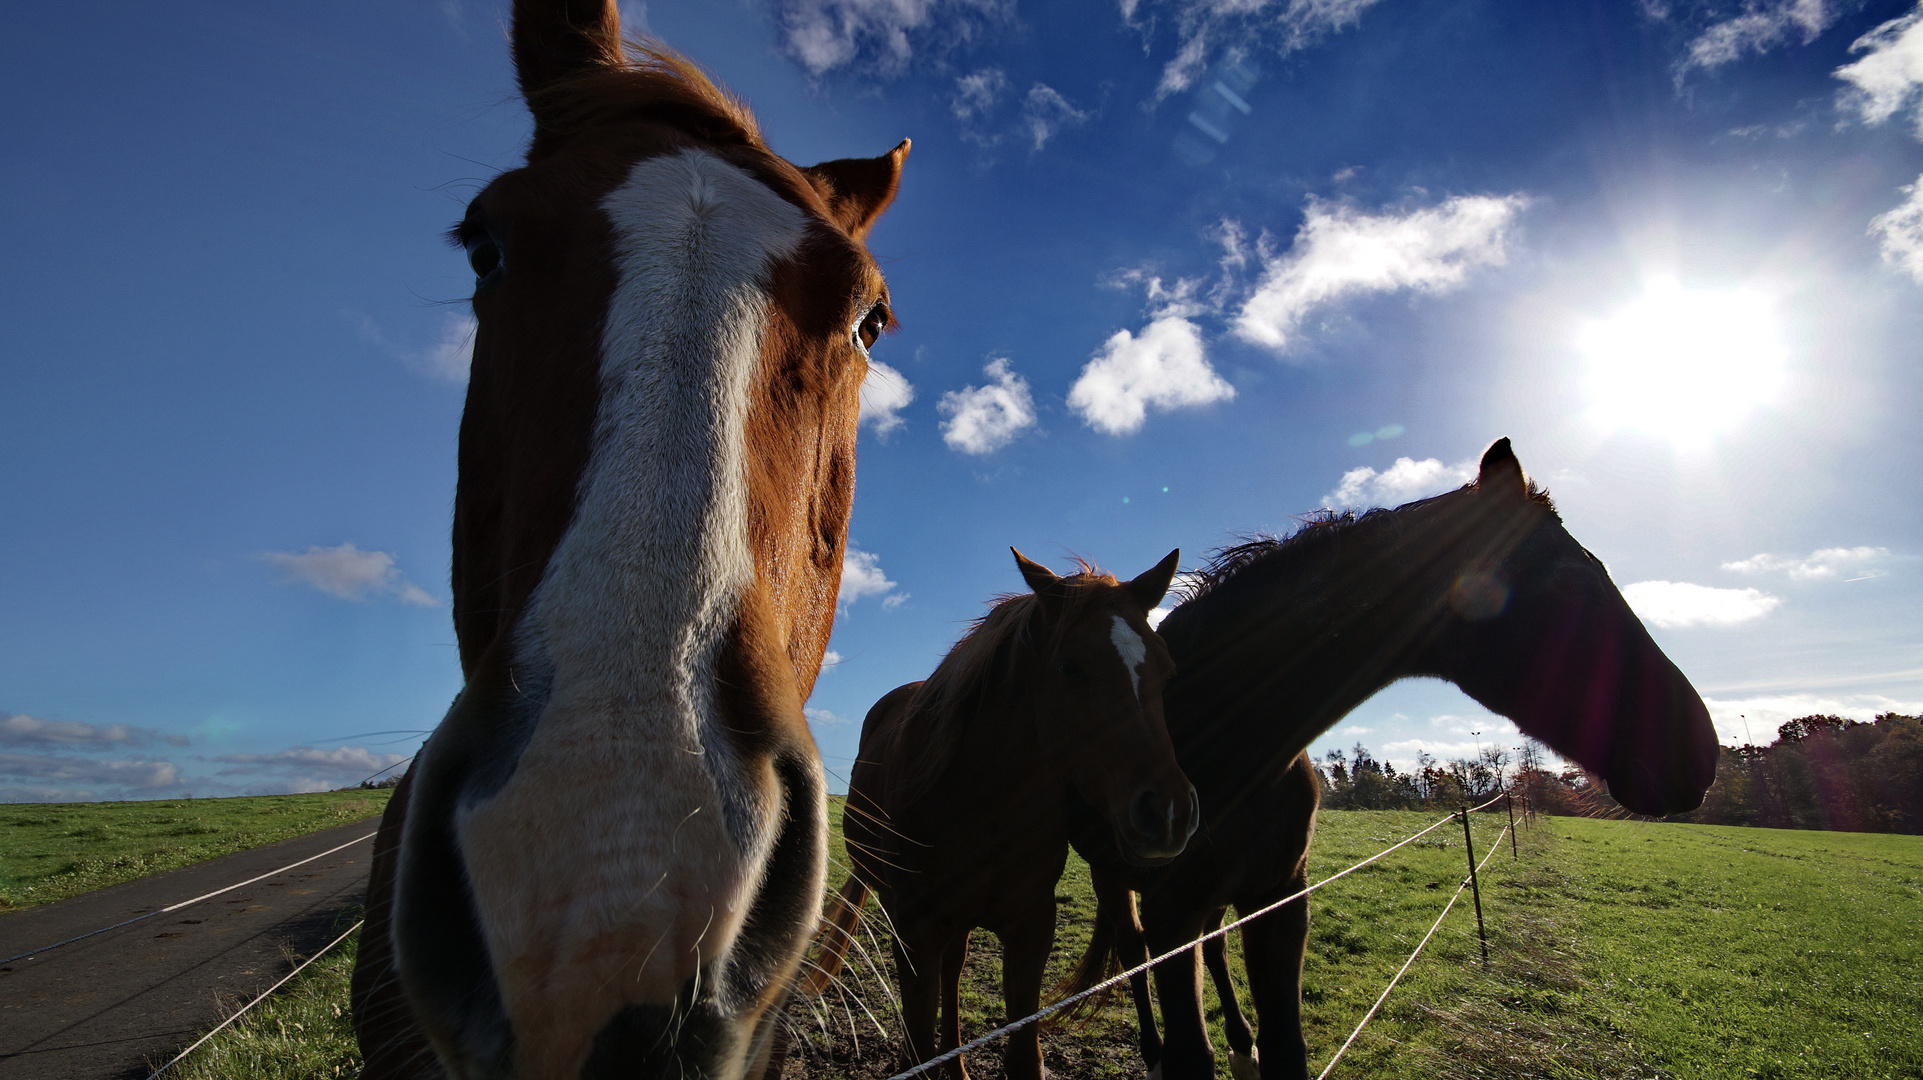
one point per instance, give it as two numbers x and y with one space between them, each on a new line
1619 950
50 851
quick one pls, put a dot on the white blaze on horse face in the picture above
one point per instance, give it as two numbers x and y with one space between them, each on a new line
1129 645
667 830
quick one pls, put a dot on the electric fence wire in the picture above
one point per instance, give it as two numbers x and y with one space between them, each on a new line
1049 1010
218 1028
1446 908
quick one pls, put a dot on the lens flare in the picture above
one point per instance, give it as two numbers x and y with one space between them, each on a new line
1685 363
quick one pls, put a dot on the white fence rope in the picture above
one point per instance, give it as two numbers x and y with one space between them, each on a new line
184 903
1446 908
1049 1010
263 997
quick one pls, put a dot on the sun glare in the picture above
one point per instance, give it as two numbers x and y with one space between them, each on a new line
1685 363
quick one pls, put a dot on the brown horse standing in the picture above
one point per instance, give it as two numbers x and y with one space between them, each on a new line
958 798
609 857
1483 587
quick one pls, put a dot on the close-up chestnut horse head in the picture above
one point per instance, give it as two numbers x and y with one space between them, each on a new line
611 851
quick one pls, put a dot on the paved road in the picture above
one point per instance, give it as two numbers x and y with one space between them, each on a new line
104 1008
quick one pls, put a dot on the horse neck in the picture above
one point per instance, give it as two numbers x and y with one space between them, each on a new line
994 751
1281 651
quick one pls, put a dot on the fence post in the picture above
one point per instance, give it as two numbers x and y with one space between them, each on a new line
1509 804
1475 889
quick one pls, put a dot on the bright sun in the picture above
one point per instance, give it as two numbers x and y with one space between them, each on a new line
1685 363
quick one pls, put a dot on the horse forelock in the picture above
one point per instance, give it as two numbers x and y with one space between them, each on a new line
654 84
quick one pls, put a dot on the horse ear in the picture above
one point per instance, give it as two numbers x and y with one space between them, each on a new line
1501 473
1152 585
1039 577
857 190
556 39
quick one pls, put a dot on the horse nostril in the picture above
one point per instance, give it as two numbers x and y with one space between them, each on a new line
1151 816
1195 812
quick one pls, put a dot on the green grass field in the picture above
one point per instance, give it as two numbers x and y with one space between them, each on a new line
1619 950
50 851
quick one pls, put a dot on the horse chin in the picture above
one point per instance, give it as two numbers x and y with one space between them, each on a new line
1135 855
1640 790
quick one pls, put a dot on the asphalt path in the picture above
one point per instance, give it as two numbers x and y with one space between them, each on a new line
118 1004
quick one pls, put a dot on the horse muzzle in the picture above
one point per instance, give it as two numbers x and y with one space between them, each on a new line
1157 827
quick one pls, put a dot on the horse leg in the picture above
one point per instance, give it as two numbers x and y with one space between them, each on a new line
1242 1054
953 958
1186 1054
918 970
1117 905
1273 947
1025 945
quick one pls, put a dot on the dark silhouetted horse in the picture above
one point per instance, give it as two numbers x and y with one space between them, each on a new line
1483 587
957 804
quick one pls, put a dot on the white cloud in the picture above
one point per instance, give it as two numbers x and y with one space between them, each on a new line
131 774
862 576
1755 719
634 21
1185 585
23 730
1457 738
1677 604
1341 252
977 93
1363 487
1761 27
1818 565
884 34
1899 231
823 716
1165 367
1045 112
1890 74
449 358
1284 25
983 419
307 768
884 393
353 759
830 660
350 573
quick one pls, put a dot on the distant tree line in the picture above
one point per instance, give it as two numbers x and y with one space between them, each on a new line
1822 772
1356 780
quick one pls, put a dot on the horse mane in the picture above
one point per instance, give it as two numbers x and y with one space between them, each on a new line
653 83
977 666
1317 530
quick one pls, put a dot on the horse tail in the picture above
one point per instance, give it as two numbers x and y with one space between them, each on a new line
1098 963
836 936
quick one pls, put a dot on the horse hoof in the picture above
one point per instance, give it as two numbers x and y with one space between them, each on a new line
1156 1072
1245 1066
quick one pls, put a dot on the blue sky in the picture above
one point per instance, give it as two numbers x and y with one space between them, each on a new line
1166 273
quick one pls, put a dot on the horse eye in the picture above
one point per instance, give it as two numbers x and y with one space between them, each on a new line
1069 669
871 326
485 257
